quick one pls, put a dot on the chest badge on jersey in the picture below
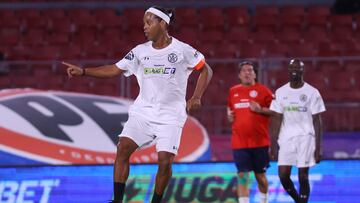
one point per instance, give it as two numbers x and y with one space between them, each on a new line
303 98
172 58
253 93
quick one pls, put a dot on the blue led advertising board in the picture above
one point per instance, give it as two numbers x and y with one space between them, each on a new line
331 181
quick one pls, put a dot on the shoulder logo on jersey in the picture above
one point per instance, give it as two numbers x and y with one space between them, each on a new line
172 58
303 98
253 93
196 54
129 56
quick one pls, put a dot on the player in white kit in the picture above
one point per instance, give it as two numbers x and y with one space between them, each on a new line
297 128
162 67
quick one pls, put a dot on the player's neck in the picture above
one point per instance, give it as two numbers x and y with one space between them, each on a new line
162 42
296 83
248 84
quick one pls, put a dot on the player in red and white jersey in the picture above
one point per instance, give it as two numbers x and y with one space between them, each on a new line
162 67
248 111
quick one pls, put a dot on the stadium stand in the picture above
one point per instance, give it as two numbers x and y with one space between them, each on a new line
227 33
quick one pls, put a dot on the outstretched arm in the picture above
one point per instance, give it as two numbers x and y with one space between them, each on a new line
276 120
105 71
203 81
318 136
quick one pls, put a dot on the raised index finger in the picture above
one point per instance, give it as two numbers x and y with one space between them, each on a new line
68 64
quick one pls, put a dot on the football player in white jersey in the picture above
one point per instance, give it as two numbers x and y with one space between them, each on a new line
297 129
162 67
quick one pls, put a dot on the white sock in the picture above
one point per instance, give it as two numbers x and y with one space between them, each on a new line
263 197
243 199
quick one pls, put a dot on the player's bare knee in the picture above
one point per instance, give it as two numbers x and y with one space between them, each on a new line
123 151
262 181
303 177
284 176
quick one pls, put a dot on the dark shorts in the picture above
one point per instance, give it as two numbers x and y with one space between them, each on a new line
252 159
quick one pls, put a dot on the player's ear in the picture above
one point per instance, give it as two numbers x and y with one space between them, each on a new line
163 24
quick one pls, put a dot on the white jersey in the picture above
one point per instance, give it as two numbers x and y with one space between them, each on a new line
297 107
162 75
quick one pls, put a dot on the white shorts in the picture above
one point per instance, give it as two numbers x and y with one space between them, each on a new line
143 132
298 151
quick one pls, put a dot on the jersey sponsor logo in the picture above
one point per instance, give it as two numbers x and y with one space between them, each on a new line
161 70
303 98
129 56
296 108
172 58
55 127
253 93
241 105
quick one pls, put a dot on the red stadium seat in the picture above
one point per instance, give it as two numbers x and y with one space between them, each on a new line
212 19
252 51
317 79
341 21
54 13
292 18
207 49
290 37
33 37
291 23
276 50
28 13
277 77
343 81
133 18
107 18
5 82
315 35
188 35
329 49
35 23
292 10
313 20
265 36
45 53
341 34
303 50
19 53
9 38
237 17
328 67
58 25
267 10
70 52
212 36
187 18
319 10
57 39
226 50
353 67
265 22
82 18
237 35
